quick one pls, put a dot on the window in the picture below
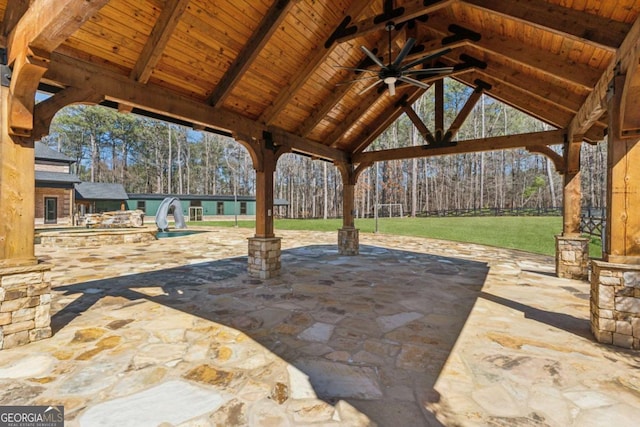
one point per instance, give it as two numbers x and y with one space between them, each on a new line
220 208
142 205
243 208
50 210
195 203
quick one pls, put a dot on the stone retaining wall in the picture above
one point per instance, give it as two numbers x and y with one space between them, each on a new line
615 304
93 238
25 301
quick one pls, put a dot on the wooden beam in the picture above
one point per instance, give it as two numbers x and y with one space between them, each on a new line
410 10
595 104
302 145
521 100
45 110
418 123
270 23
549 90
553 65
465 111
485 144
386 119
566 22
556 159
118 88
158 39
48 23
439 105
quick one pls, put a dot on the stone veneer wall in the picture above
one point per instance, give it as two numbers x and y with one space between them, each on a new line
348 241
572 257
264 257
615 304
25 301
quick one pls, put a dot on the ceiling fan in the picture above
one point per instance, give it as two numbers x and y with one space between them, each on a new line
395 71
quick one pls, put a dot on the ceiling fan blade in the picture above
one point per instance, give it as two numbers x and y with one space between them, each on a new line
405 51
361 70
368 88
435 70
373 57
348 82
424 59
414 82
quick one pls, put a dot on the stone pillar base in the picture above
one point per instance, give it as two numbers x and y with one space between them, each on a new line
264 257
348 241
25 301
572 257
615 303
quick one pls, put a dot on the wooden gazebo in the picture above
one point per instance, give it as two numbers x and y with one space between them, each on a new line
269 74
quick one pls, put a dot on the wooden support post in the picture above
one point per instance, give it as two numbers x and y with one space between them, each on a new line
25 291
572 250
615 282
439 92
571 204
622 239
264 194
348 235
264 247
17 192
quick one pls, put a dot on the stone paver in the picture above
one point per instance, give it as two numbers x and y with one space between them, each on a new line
411 332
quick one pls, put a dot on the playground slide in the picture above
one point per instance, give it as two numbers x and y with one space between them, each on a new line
163 211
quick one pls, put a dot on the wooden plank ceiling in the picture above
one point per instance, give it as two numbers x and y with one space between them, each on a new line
247 66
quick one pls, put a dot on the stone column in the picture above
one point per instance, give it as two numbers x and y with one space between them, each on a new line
615 304
264 257
25 299
572 257
348 241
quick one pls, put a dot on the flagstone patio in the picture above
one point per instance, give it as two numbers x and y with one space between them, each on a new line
412 332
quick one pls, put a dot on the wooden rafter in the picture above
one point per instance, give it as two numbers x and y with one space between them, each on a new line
158 39
535 139
340 91
580 26
410 10
47 24
12 14
595 104
303 75
118 88
274 17
579 75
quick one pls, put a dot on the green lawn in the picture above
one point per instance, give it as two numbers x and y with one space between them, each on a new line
532 234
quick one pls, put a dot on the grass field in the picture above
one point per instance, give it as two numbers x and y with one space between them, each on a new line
532 234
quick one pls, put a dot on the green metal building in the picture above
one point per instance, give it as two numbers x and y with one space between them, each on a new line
198 207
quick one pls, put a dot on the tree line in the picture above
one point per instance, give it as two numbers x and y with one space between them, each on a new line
150 156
